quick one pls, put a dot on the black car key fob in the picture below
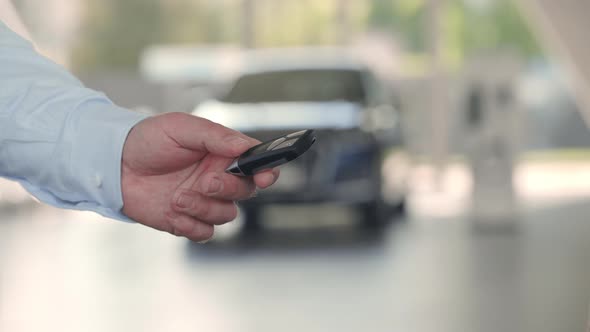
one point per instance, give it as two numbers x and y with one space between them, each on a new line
272 153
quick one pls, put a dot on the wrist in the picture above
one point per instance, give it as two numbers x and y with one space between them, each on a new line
101 130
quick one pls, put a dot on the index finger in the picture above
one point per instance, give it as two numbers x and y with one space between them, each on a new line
200 134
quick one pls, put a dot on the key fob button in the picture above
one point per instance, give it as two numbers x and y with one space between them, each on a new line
287 143
299 133
275 143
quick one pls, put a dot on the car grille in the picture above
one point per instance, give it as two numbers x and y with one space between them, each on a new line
337 156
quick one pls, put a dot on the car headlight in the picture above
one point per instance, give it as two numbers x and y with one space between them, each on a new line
356 162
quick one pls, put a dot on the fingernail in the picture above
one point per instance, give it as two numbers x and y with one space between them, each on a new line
214 186
238 141
184 201
268 178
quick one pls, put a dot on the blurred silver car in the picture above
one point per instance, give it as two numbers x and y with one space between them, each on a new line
355 120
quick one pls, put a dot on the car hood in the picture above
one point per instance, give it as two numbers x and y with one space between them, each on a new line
285 115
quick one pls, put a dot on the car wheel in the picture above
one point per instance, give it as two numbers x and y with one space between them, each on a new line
251 219
399 209
374 215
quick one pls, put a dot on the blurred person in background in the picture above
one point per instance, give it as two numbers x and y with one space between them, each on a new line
71 147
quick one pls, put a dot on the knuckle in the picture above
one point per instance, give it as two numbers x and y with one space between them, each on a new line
183 201
202 209
212 126
172 230
231 190
218 127
176 225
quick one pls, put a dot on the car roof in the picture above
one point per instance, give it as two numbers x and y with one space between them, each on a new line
299 59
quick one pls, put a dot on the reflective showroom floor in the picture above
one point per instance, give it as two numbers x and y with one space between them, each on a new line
70 271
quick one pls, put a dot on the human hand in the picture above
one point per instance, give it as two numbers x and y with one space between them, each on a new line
173 174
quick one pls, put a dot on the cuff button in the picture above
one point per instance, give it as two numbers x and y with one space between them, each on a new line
98 181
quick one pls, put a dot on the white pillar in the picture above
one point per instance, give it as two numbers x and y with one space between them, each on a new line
342 27
492 138
54 25
10 17
248 34
438 93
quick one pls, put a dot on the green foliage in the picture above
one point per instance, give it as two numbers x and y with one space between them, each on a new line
115 32
501 26
465 30
288 23
402 18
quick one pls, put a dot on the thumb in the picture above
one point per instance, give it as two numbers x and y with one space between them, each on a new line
195 133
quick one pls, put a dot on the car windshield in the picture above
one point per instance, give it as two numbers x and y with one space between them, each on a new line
299 86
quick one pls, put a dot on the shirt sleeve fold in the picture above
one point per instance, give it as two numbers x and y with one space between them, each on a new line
61 141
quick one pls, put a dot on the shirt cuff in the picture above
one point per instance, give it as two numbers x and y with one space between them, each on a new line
99 133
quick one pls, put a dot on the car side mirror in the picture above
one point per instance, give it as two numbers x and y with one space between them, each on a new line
384 121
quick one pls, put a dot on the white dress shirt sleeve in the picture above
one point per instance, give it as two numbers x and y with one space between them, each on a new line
61 141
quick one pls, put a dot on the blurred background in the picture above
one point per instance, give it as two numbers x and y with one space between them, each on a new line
448 190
